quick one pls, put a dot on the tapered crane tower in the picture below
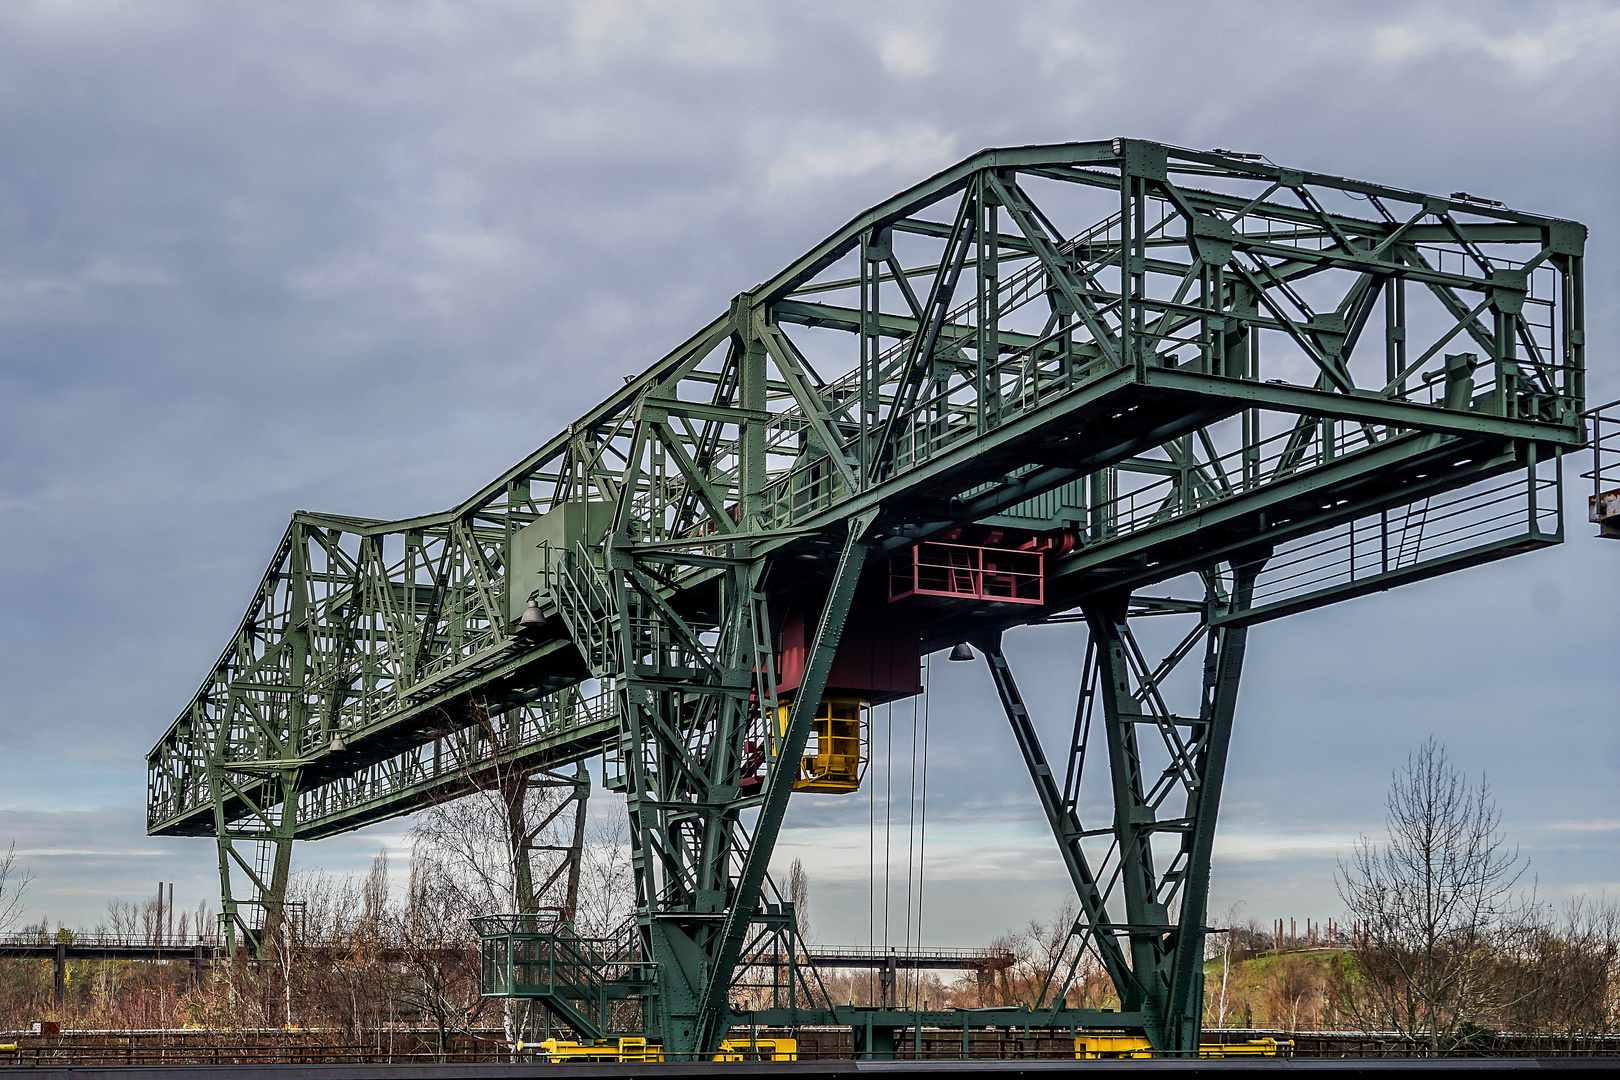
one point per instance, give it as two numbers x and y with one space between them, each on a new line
1103 382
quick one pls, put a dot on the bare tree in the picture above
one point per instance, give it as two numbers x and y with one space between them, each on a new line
488 836
336 948
439 951
607 892
1228 933
1047 963
799 896
475 855
1564 968
13 883
1429 903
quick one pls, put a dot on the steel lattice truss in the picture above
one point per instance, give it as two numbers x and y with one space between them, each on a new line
1254 389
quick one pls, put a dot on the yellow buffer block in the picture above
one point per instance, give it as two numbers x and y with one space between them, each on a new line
1252 1048
1094 1047
635 1048
835 755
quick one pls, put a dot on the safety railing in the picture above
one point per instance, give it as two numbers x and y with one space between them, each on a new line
574 584
1177 490
528 730
1603 506
829 955
541 955
1521 508
87 940
967 572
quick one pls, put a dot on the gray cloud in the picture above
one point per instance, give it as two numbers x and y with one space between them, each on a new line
360 257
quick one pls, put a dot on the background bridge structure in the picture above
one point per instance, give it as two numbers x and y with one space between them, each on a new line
1167 393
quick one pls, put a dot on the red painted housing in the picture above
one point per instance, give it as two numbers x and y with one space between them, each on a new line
879 657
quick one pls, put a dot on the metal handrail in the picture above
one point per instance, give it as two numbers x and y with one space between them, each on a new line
879 952
103 941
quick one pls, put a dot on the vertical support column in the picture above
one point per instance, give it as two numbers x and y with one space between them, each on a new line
1223 665
752 396
297 719
1139 163
274 898
1394 328
222 844
267 885
576 849
875 249
1574 336
988 345
1127 310
686 687
60 995
1145 917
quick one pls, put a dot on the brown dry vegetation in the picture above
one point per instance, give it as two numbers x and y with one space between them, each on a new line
1551 973
375 970
1472 958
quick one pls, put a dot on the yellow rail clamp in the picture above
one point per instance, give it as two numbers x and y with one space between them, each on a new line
758 1050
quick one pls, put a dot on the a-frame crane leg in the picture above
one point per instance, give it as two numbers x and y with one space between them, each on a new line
270 836
687 707
1165 793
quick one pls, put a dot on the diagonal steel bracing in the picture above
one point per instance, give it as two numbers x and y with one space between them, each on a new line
1143 916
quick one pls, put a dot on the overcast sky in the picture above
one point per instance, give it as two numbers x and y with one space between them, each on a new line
360 258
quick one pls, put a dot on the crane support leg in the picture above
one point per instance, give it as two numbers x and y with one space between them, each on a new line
1065 822
251 919
779 785
1165 789
689 701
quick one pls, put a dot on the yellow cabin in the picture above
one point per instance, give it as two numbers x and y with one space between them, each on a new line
836 753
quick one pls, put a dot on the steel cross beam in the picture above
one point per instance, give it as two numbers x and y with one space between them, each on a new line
1170 358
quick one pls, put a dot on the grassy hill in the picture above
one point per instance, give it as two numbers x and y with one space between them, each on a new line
1275 990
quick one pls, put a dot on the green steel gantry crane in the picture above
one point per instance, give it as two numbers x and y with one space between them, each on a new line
1103 382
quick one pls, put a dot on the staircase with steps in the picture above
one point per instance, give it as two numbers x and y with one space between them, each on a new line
576 978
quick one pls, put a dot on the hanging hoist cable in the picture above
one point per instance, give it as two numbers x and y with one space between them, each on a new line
922 838
911 826
871 876
888 813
